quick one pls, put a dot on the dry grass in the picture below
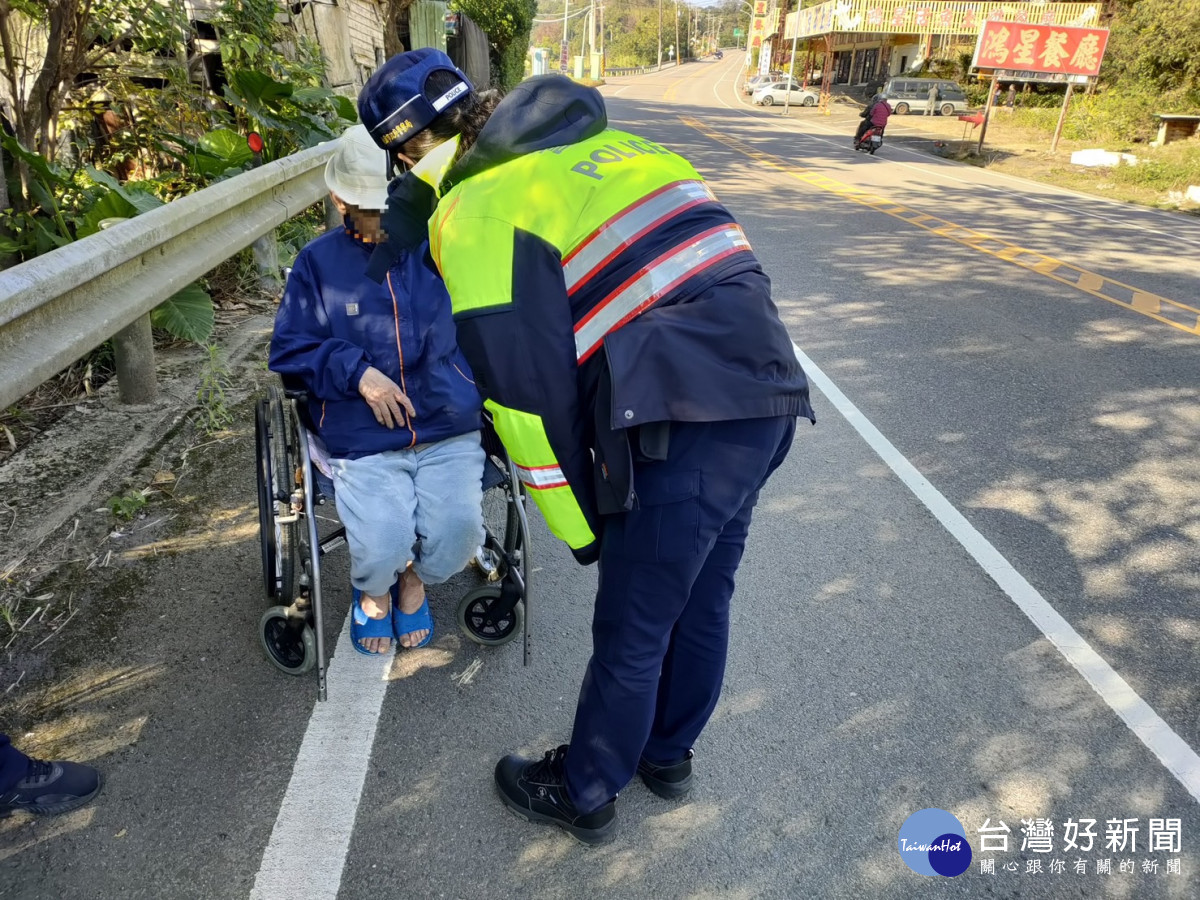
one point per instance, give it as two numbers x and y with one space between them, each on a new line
22 422
1020 145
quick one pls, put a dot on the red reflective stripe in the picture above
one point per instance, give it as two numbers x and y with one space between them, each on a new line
543 487
640 202
530 475
691 193
589 334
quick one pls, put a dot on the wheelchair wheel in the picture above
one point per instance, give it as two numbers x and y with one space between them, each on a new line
502 537
473 610
290 646
276 447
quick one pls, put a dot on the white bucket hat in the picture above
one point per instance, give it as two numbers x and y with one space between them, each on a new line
358 170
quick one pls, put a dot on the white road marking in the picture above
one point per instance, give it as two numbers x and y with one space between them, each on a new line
1174 753
311 838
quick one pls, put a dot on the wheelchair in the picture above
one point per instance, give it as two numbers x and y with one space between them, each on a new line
291 485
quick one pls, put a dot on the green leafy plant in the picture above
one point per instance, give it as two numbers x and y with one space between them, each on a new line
187 315
214 414
288 118
127 505
44 221
1115 116
508 24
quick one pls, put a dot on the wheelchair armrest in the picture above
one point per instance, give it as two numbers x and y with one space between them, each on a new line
294 390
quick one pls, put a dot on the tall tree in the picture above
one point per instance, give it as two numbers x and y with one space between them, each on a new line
1154 43
46 45
508 24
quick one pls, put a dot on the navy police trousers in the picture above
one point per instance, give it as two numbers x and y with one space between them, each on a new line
660 630
14 765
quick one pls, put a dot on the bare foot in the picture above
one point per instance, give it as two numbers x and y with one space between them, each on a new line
376 608
412 596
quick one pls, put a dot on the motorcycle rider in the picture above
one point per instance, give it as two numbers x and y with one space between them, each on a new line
874 116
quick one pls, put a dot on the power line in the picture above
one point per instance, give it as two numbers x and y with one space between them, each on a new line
582 12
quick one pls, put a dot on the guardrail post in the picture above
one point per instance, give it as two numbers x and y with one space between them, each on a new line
266 260
133 348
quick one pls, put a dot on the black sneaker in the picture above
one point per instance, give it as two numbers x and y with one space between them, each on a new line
51 788
671 781
537 791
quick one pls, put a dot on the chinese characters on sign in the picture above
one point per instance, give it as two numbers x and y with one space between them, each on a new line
1125 837
759 25
1053 49
934 17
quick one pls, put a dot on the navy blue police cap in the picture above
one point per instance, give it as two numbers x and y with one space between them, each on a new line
393 105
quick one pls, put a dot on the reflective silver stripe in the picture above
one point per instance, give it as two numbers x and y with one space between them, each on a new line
447 98
627 226
653 281
542 477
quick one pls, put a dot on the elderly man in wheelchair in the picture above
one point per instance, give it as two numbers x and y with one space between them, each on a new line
392 405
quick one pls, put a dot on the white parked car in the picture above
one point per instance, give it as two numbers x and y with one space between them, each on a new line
754 82
777 93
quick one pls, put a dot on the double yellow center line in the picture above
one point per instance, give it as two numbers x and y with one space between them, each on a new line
1161 309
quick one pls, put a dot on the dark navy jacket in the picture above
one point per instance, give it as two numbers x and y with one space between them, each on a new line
334 322
698 340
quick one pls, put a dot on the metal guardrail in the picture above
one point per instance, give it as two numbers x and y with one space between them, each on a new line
637 70
59 306
644 70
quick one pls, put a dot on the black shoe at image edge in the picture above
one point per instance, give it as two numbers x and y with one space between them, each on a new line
670 781
51 788
536 790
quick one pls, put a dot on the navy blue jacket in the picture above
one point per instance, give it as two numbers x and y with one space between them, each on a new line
710 348
334 322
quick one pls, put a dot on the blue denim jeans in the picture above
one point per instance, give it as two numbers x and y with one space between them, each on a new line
422 505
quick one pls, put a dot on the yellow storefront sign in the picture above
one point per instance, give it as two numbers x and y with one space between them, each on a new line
930 17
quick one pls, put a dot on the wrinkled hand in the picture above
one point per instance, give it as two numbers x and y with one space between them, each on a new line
385 398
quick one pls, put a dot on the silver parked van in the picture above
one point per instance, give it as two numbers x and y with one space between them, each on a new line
907 95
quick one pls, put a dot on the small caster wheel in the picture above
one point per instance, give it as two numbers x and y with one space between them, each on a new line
291 648
472 617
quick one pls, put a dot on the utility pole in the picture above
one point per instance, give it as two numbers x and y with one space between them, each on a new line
660 35
678 49
591 32
792 65
564 64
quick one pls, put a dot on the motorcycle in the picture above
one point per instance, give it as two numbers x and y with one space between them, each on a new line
871 140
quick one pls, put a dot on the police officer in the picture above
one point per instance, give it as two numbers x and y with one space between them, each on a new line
623 335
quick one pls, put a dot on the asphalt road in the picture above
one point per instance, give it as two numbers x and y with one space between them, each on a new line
987 348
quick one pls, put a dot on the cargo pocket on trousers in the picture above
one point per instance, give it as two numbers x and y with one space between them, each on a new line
665 524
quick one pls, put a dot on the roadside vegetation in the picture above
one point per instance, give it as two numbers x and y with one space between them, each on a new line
107 121
1151 66
1020 145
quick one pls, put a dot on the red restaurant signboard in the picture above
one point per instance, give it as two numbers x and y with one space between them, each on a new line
1040 48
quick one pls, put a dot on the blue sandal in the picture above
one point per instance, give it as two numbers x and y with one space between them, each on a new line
363 626
407 623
